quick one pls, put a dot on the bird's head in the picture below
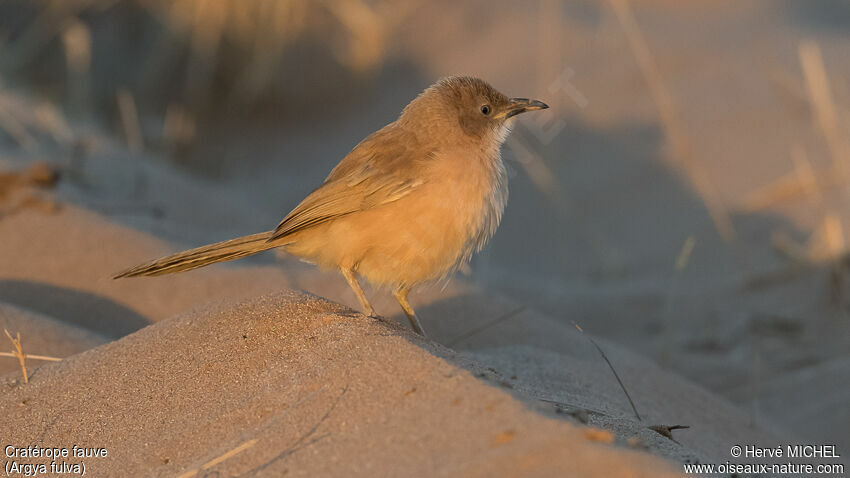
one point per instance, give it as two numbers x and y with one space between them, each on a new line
467 109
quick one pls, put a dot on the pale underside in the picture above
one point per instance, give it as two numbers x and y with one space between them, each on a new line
401 217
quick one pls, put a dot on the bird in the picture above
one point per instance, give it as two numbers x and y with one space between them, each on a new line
409 205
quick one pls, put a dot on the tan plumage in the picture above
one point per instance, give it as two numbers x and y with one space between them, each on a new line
409 204
202 256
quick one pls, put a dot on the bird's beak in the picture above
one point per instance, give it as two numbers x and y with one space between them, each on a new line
521 105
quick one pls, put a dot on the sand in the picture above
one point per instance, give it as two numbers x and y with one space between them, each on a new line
311 387
228 357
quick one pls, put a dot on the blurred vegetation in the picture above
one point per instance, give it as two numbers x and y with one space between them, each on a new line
179 62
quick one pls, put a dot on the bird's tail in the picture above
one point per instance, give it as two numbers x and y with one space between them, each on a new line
205 255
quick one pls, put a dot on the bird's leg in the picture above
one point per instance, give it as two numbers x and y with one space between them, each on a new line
355 286
401 296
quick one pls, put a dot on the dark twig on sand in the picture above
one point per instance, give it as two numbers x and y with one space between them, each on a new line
667 430
303 441
629 397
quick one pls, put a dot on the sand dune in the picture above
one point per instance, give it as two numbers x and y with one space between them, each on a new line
314 388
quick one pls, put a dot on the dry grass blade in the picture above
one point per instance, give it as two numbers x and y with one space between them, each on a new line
798 183
616 375
788 248
685 254
11 126
304 441
820 95
682 261
215 461
49 119
130 120
806 174
19 353
801 258
77 43
835 247
367 30
679 143
827 243
834 235
33 357
476 330
783 189
568 408
229 454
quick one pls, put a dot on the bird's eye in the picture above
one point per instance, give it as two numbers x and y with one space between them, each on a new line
485 109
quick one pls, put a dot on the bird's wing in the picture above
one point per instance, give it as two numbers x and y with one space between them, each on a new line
380 170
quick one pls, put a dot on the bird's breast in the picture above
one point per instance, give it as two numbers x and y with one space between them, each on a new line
456 212
422 236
